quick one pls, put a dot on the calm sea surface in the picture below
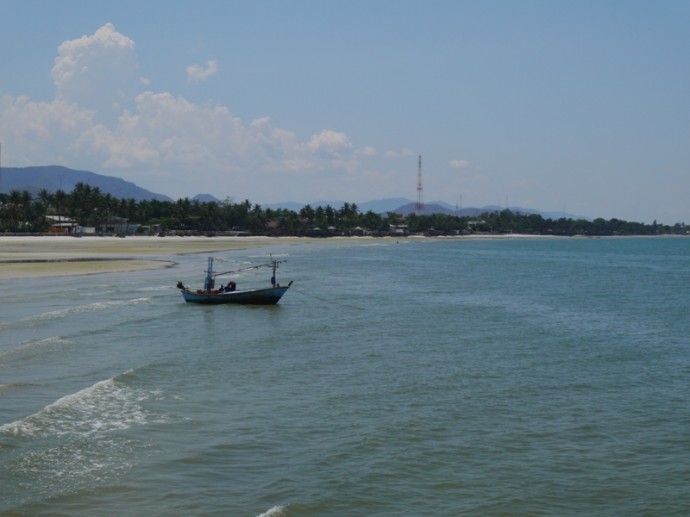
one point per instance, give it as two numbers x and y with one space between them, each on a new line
497 377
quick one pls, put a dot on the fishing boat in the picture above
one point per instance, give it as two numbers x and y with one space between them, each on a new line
230 293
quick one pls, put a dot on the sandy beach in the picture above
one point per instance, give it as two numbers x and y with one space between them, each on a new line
22 257
28 256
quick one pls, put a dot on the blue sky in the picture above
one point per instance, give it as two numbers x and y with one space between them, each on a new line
581 107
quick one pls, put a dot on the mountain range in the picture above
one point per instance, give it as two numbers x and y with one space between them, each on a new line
404 206
55 177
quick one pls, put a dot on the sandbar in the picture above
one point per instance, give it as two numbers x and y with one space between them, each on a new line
40 256
22 257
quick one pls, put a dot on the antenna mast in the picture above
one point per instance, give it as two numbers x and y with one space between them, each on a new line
419 207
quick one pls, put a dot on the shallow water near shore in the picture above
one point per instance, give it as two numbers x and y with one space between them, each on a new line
501 377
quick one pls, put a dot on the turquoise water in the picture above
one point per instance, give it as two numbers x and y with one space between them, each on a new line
497 377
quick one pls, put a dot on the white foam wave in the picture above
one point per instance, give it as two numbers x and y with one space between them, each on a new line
102 293
106 406
34 344
81 309
155 288
276 511
61 468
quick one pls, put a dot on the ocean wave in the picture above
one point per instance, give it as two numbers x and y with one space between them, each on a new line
91 307
276 511
36 345
101 293
76 310
154 288
15 385
105 406
73 444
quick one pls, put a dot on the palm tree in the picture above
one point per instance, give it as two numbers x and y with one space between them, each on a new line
307 213
60 201
26 207
12 210
45 197
330 215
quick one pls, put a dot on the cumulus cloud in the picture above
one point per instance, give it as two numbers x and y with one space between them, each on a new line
332 150
329 143
100 120
97 71
165 129
37 130
459 164
198 74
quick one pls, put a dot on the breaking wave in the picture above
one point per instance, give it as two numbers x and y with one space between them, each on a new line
34 345
105 406
276 511
76 310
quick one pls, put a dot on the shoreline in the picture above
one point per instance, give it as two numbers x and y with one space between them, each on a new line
29 256
61 255
46 256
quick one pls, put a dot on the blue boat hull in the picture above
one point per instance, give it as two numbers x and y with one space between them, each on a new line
268 296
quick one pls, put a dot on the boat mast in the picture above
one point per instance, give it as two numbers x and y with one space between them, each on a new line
209 282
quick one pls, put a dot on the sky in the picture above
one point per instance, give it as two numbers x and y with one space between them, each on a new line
581 107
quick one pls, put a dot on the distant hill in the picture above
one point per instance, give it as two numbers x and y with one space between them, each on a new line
206 198
55 177
378 206
289 205
439 208
529 211
406 207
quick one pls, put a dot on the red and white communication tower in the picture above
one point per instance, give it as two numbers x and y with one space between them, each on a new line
419 207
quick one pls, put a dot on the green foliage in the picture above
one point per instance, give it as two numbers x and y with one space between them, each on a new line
88 206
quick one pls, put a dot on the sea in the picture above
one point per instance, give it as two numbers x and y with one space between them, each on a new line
511 376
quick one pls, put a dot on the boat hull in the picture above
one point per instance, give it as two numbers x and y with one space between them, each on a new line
268 296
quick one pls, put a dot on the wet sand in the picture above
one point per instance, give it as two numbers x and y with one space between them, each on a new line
22 257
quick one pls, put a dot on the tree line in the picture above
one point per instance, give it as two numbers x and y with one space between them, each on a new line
87 206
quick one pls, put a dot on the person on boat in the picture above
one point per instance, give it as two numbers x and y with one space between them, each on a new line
230 287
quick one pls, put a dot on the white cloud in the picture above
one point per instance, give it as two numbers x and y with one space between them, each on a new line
329 143
39 133
332 150
160 140
402 153
459 164
198 74
169 131
97 71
